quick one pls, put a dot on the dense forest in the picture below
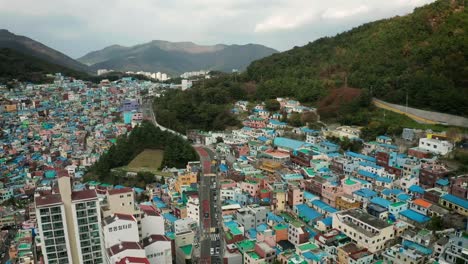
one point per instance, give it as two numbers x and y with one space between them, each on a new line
16 65
177 151
205 106
422 54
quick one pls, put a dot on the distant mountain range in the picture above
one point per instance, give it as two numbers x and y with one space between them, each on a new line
36 49
158 55
175 57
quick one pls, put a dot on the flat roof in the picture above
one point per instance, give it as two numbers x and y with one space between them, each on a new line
84 195
48 200
367 218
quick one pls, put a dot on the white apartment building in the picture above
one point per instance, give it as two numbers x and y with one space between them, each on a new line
152 223
52 228
364 229
157 249
119 228
193 208
69 225
441 147
124 250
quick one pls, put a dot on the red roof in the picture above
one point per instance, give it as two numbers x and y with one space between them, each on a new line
117 248
154 238
119 191
133 260
117 216
84 195
149 210
48 200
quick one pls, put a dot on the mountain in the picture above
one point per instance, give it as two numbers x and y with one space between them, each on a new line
422 56
17 65
175 57
36 49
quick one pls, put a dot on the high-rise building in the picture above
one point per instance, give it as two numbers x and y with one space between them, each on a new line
69 225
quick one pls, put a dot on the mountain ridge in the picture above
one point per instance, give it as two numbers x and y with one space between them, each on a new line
36 49
175 57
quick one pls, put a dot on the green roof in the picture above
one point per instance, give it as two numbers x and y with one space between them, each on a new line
246 245
24 246
296 224
307 246
397 204
254 255
187 249
349 182
280 227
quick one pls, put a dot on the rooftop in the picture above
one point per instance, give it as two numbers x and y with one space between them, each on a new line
47 200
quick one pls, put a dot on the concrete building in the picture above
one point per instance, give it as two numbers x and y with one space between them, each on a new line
364 229
252 216
157 249
441 147
69 224
119 228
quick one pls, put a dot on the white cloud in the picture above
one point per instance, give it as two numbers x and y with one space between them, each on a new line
77 27
334 13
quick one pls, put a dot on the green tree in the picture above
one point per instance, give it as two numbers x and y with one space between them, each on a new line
272 105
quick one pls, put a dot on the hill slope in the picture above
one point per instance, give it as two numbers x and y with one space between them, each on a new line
422 54
16 65
175 57
36 49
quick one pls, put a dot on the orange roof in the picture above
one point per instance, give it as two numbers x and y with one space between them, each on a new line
422 202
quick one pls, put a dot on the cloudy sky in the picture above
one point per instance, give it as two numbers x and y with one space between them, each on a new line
76 27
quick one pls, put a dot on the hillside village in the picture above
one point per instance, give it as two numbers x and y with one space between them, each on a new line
287 194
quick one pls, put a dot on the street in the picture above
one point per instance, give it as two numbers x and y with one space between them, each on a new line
210 218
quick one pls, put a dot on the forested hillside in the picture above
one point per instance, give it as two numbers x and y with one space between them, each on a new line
177 151
16 65
423 54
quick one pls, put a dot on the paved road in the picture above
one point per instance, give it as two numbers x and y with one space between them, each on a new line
210 215
148 113
423 116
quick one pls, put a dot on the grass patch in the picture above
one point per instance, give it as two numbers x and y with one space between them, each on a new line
392 118
150 159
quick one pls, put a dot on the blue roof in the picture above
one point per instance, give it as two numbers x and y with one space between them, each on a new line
416 188
415 216
324 206
170 217
271 216
276 122
360 156
384 137
365 192
327 221
309 131
384 179
456 200
403 197
289 143
329 144
262 138
370 164
252 233
381 201
367 174
223 167
262 227
307 212
421 249
442 182
388 192
309 196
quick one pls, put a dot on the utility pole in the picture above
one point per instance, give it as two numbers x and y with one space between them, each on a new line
406 109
